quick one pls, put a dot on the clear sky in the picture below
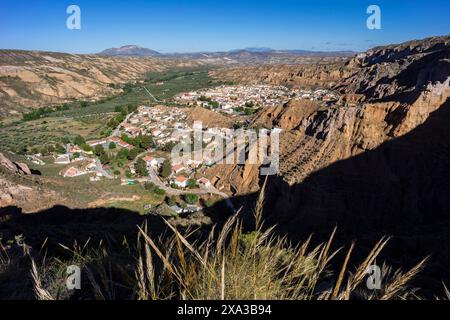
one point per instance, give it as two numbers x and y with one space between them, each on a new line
200 25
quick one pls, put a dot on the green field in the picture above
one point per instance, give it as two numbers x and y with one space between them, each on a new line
163 86
23 136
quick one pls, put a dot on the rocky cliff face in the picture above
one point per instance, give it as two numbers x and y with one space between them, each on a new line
386 93
10 191
378 162
321 72
377 166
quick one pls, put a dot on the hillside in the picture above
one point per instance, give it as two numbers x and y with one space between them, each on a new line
376 163
307 71
400 84
35 79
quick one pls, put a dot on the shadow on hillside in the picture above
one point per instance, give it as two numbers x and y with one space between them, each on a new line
401 188
62 225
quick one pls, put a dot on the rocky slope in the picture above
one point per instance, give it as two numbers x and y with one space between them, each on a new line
305 72
13 192
386 93
377 163
33 79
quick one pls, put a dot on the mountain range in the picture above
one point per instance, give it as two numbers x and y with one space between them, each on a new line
130 51
246 54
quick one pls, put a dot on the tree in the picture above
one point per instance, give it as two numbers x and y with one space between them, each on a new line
79 141
123 153
249 111
168 146
150 186
112 146
192 183
132 108
50 148
166 169
65 140
215 104
160 192
106 133
136 142
171 201
133 154
191 198
128 174
86 147
125 138
59 148
141 167
146 142
104 159
99 150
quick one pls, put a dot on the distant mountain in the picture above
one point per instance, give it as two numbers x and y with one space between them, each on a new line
247 55
256 49
130 51
262 55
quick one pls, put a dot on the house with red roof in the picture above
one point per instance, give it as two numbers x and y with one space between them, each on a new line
150 161
178 168
181 181
203 182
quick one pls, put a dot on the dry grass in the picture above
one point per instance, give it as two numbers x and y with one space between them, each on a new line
229 264
234 265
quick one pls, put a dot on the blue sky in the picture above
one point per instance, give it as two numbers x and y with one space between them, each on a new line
200 25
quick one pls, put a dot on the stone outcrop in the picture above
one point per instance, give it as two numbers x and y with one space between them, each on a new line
14 167
9 191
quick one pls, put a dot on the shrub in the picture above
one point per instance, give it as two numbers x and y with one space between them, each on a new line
191 198
141 167
166 169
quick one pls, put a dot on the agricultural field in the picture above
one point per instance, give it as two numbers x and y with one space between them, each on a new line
21 137
163 86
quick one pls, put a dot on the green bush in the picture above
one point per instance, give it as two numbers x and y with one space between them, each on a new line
191 198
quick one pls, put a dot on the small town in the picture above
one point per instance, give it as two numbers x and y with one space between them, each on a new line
138 146
138 152
247 99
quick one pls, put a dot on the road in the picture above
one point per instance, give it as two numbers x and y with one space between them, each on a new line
99 169
150 94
